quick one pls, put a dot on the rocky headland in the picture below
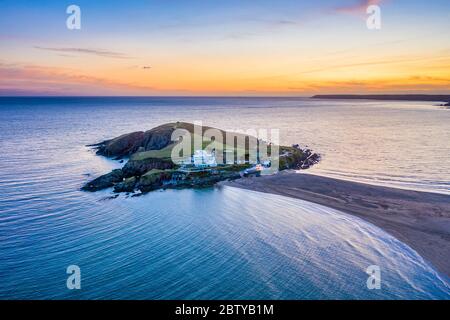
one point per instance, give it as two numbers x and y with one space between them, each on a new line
393 97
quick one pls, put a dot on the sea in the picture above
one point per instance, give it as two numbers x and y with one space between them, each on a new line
219 242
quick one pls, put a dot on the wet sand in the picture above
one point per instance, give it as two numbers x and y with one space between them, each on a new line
419 219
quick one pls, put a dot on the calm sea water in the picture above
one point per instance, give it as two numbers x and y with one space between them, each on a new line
215 243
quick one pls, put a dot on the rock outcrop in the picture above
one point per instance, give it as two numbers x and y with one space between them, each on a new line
154 179
296 158
121 146
105 181
140 167
126 185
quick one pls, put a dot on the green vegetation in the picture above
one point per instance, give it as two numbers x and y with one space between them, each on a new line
155 175
289 157
164 153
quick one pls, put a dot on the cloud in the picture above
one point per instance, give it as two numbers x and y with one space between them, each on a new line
359 7
19 79
96 52
322 67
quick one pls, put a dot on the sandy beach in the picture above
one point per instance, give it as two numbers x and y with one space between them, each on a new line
419 219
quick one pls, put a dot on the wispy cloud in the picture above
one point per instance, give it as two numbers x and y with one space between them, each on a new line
358 7
90 51
400 60
16 78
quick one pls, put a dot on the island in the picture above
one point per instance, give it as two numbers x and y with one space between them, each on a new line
151 164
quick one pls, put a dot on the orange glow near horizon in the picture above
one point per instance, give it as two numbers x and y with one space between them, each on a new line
259 77
332 53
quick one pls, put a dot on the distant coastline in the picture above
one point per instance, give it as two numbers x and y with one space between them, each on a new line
121 99
392 97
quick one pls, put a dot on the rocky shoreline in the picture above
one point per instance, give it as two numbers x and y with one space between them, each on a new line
150 166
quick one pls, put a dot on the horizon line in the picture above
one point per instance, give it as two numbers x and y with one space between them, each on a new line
225 96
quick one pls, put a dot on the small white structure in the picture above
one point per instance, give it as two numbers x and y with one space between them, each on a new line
267 163
203 159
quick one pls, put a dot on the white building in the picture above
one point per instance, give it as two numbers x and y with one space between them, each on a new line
203 159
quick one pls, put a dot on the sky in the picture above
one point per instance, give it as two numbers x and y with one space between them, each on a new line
224 48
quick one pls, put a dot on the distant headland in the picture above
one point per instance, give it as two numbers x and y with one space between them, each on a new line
400 97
